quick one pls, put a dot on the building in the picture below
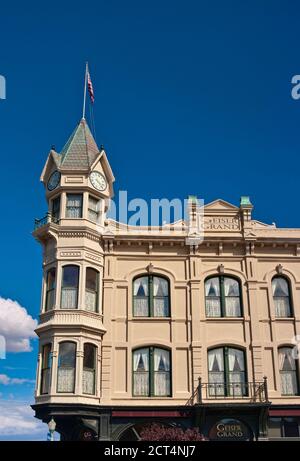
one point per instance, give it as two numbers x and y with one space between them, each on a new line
137 325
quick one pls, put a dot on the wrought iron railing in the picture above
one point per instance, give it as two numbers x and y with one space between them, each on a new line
45 220
255 392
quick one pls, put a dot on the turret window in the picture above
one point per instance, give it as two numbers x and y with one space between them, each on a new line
89 369
74 206
69 291
281 296
222 297
55 213
151 297
94 209
46 369
50 289
151 372
66 367
91 289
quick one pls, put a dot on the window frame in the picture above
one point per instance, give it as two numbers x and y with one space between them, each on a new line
151 297
151 372
296 371
91 291
222 297
47 290
62 285
90 369
68 194
90 209
226 383
73 368
290 296
46 368
54 218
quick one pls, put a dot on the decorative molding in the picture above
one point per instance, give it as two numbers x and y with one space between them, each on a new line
150 268
93 257
221 269
70 254
279 268
78 234
74 179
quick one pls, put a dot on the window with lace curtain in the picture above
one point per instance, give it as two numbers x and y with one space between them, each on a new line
94 209
50 289
151 372
46 369
55 213
288 371
222 297
74 206
151 296
89 369
66 367
69 287
281 297
226 372
91 289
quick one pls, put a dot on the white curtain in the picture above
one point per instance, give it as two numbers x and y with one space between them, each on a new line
281 297
65 379
74 206
90 300
161 372
94 206
232 298
141 300
236 376
288 372
212 297
141 372
216 372
161 297
69 298
88 381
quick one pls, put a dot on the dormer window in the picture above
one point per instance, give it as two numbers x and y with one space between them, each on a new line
74 206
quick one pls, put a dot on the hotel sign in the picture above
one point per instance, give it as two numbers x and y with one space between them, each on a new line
220 223
229 429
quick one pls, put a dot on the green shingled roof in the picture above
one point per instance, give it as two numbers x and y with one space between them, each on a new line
81 150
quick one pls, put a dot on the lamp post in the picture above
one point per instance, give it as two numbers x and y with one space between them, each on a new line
51 426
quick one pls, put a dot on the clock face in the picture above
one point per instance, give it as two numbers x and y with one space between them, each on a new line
54 180
98 181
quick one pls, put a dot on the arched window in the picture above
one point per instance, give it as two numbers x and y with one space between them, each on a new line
288 371
151 297
66 367
281 296
222 297
69 290
226 372
151 372
46 369
89 369
91 289
50 289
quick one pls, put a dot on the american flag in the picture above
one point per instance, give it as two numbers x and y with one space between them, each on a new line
90 88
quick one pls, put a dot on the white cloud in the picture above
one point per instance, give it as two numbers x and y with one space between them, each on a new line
16 326
6 380
17 418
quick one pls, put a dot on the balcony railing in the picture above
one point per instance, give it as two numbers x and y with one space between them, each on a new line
45 220
254 392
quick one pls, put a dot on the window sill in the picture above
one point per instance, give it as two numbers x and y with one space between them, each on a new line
226 319
151 318
284 319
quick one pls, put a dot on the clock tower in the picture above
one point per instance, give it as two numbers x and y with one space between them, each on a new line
78 183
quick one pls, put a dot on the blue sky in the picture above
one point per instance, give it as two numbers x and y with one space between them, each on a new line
192 97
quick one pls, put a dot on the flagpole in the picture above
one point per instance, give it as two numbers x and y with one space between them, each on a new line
84 92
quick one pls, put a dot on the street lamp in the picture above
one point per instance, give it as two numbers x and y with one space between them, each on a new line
52 426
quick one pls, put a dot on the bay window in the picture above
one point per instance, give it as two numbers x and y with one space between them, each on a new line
50 289
69 290
226 372
89 369
151 297
74 206
222 297
151 372
91 289
288 371
66 367
46 369
281 297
